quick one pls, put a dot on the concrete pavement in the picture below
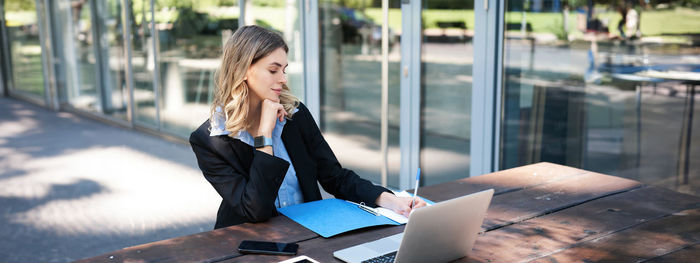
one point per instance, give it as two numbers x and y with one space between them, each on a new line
71 187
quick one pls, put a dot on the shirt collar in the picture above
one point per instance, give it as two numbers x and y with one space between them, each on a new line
218 125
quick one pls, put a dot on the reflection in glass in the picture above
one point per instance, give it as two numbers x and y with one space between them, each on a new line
79 53
607 88
190 36
114 90
282 16
25 48
350 63
446 61
93 55
143 62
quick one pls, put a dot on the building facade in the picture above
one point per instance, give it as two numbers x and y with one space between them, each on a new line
457 88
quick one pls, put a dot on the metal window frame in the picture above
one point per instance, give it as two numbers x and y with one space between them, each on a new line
156 68
311 56
128 67
96 14
58 67
47 57
486 92
4 77
498 68
409 121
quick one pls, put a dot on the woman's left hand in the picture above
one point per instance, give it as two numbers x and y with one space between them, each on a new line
401 205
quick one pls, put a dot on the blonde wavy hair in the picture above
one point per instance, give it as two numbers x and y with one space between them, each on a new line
245 47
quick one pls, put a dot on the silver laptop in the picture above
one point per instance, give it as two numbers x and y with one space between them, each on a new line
442 232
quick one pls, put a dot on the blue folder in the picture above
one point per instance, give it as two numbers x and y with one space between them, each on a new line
329 217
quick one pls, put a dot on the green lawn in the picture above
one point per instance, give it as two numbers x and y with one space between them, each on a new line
653 23
677 21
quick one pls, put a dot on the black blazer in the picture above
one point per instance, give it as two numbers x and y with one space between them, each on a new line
248 180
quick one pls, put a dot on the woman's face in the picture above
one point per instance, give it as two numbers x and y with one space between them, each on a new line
266 77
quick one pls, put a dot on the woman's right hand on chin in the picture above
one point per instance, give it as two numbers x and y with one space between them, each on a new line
269 114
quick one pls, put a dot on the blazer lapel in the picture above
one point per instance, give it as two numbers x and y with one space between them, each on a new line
304 166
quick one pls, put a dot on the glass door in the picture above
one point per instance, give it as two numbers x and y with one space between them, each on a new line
445 89
578 93
92 49
430 85
22 30
350 84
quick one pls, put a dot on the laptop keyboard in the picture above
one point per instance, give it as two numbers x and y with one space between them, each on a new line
386 258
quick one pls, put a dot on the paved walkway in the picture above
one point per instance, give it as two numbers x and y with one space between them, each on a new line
71 187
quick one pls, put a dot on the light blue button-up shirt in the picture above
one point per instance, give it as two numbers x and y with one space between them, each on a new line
289 192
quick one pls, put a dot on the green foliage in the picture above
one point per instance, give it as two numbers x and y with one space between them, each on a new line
557 29
173 3
19 5
676 3
189 23
269 3
195 4
357 4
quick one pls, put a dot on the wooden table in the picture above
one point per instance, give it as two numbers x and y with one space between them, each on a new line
542 212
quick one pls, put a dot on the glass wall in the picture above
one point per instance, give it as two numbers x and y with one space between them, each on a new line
605 87
143 63
446 88
350 84
22 29
92 51
114 95
608 86
190 40
74 22
282 16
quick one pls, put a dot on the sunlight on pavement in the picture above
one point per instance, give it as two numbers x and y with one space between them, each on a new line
124 192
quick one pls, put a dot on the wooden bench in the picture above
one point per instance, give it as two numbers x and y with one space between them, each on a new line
444 25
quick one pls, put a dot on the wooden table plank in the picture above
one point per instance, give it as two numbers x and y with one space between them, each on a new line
513 206
541 210
547 234
502 181
321 249
689 254
648 240
521 205
209 246
221 244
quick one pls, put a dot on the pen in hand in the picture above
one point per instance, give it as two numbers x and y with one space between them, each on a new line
415 190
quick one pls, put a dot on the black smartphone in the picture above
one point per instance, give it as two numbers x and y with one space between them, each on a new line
264 247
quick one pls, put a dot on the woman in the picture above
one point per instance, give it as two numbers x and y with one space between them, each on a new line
261 149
